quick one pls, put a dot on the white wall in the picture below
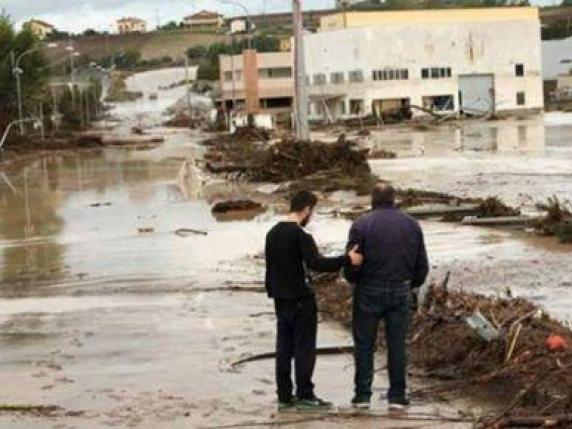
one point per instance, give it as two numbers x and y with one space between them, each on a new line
468 48
556 58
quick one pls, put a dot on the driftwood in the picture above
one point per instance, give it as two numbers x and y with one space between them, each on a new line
352 414
503 418
321 351
536 421
230 288
184 232
500 221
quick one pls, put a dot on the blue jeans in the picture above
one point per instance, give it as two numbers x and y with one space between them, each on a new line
372 303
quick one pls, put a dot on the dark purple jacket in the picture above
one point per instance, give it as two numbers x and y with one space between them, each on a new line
393 247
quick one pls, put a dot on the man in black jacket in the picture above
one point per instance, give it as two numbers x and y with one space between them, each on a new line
290 252
395 265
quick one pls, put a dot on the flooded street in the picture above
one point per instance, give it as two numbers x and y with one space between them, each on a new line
105 310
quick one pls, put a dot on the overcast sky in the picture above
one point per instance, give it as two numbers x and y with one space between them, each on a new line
77 15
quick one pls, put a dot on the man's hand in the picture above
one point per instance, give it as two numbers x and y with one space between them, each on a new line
355 257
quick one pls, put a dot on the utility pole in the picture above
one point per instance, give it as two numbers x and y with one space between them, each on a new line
302 128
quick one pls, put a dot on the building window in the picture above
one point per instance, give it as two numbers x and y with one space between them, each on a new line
519 70
439 103
356 76
337 77
343 107
227 76
320 79
275 73
520 98
356 107
436 73
390 74
238 75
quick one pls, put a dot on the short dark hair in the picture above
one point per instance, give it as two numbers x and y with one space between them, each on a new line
381 194
301 200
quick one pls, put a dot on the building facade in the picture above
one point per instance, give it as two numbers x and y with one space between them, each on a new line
257 82
131 25
204 20
450 60
40 29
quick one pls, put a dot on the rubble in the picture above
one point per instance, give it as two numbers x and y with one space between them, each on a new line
457 359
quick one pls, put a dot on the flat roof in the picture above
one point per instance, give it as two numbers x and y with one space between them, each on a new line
428 16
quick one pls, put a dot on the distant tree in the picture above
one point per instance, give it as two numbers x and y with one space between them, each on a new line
90 32
197 52
35 70
56 35
127 60
566 3
170 26
264 43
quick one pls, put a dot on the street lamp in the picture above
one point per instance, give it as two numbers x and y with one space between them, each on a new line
17 72
250 24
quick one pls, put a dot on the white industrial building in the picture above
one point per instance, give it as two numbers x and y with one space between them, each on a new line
471 60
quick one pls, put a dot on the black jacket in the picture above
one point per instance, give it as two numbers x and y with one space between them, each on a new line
290 252
393 247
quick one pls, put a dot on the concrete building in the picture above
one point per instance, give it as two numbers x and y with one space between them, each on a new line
40 29
204 20
131 25
445 60
257 82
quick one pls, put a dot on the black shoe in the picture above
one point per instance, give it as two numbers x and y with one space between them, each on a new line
399 404
285 406
361 402
313 404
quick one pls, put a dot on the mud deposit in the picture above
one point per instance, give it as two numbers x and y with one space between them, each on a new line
102 325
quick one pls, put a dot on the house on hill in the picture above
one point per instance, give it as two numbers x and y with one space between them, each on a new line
131 25
39 28
204 20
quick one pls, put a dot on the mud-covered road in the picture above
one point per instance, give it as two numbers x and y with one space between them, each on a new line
108 314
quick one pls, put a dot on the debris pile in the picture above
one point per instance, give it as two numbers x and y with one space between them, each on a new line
558 220
237 210
183 120
495 207
305 164
380 153
527 370
235 205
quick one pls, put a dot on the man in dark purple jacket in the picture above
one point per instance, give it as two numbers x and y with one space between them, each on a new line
395 264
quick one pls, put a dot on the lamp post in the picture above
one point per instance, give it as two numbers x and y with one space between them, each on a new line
17 72
249 25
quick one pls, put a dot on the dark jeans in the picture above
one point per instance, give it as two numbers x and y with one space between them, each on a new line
296 329
370 305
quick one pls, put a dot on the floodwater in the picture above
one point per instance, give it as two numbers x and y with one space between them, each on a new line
524 161
105 310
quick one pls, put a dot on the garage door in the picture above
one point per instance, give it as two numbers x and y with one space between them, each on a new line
476 92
